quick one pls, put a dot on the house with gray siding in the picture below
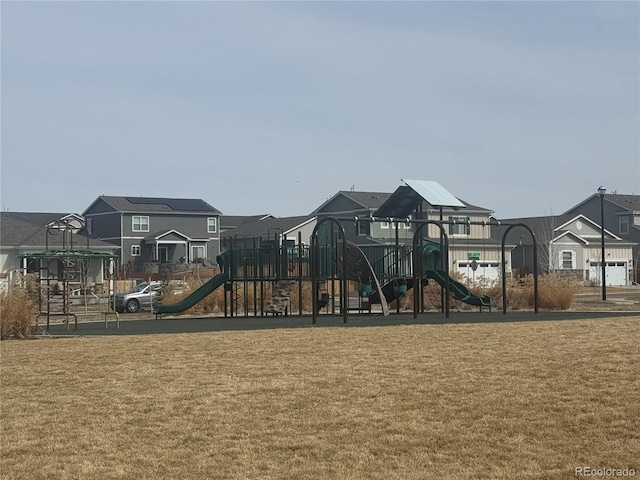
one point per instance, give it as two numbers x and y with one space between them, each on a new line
474 251
252 232
572 245
621 218
152 232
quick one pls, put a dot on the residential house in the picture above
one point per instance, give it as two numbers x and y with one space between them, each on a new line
571 244
232 222
155 234
32 242
473 250
251 232
621 217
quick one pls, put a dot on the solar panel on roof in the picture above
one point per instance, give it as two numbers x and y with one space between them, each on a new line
183 204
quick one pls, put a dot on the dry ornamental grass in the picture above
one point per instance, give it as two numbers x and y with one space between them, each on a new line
497 401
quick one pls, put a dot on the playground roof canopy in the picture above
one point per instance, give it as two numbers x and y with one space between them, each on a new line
406 198
54 254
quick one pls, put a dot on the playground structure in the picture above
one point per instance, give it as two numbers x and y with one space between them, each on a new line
270 277
70 279
276 277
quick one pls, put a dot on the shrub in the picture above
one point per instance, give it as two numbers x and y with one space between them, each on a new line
555 292
17 313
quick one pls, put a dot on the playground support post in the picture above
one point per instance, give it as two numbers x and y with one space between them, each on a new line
535 267
315 267
417 265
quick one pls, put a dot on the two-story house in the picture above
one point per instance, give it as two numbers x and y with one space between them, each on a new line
621 218
473 250
572 244
153 231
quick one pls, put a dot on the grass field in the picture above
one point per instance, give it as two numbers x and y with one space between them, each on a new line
497 401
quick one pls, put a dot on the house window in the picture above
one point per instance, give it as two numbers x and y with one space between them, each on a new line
198 251
623 224
212 225
364 228
90 226
567 260
460 227
401 225
135 250
139 223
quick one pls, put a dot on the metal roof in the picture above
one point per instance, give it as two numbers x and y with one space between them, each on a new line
406 198
434 193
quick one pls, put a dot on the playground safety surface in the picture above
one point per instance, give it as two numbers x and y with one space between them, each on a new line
149 326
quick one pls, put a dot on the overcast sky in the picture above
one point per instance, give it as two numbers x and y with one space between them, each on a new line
524 108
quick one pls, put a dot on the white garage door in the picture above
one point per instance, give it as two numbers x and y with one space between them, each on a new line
484 271
616 273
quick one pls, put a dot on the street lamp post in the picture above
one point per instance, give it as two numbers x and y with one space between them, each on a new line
601 192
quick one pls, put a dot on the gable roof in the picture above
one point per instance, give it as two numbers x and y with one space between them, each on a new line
228 222
33 232
385 203
360 200
156 205
625 202
37 218
165 233
268 226
552 227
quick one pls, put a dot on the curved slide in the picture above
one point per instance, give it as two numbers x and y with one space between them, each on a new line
459 290
359 269
195 297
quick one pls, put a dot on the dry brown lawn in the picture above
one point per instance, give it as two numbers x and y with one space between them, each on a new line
477 401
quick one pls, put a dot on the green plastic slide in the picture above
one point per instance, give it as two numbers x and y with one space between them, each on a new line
195 297
459 290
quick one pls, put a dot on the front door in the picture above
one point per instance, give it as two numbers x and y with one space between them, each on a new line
163 254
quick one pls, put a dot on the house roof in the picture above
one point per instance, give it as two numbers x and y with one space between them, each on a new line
157 205
268 226
15 231
394 205
547 228
163 233
36 218
234 221
362 200
625 202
